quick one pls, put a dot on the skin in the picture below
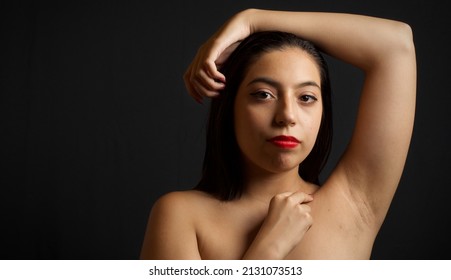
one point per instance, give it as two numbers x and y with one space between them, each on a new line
280 216
278 100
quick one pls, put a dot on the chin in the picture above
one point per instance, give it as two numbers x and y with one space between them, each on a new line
280 165
283 169
275 163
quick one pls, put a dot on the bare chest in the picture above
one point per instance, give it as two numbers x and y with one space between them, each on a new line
334 235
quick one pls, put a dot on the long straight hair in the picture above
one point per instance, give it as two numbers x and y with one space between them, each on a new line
223 171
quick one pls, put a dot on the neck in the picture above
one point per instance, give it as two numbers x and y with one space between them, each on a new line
263 185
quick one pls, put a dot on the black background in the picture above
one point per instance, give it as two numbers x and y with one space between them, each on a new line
95 123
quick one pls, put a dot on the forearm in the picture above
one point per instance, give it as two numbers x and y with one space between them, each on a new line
360 40
265 248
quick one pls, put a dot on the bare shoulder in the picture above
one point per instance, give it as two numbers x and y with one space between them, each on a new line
182 202
171 228
181 207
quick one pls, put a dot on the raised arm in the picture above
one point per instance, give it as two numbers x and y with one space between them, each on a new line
383 49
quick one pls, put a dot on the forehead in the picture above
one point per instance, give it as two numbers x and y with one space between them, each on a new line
287 66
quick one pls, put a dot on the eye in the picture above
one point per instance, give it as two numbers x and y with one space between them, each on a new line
307 98
262 95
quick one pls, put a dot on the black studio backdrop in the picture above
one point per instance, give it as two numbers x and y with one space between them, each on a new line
95 123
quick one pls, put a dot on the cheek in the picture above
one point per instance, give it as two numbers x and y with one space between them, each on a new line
312 125
249 122
316 123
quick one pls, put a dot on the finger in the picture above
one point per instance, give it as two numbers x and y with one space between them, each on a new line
211 69
202 91
193 93
301 197
191 90
284 194
304 208
198 79
203 78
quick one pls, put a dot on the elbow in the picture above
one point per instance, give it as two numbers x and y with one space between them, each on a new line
394 42
403 36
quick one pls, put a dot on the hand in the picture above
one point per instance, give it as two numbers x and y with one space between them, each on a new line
203 78
287 221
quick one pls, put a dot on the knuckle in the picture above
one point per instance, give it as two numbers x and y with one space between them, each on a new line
291 200
197 75
206 64
278 197
209 85
309 218
303 210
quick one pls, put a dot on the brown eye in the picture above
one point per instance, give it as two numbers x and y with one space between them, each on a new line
262 95
306 98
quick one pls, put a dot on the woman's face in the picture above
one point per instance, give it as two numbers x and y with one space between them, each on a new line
278 110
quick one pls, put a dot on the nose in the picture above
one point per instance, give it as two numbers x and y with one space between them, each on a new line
285 115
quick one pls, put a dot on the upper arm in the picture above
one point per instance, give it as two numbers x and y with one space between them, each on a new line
170 232
375 157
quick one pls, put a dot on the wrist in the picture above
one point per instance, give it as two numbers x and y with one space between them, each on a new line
249 17
262 250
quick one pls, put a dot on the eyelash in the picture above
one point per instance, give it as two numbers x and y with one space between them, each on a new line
311 97
259 95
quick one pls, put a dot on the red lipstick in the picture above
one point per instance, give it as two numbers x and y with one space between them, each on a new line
285 142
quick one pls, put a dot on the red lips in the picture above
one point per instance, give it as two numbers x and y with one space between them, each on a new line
285 142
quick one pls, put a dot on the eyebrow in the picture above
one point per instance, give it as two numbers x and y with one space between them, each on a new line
276 84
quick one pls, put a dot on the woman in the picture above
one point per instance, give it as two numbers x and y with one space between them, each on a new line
259 196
